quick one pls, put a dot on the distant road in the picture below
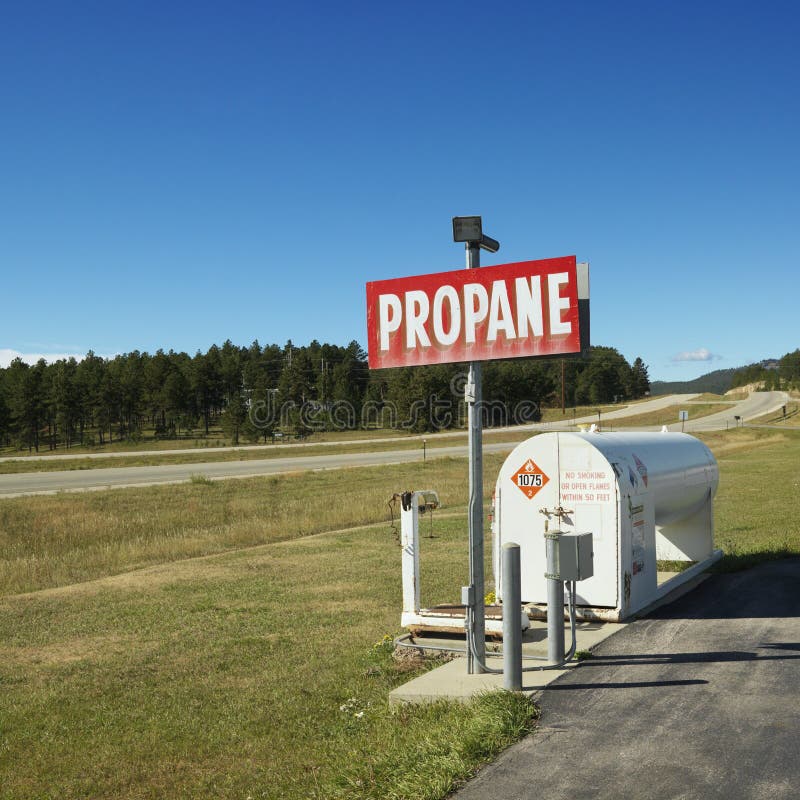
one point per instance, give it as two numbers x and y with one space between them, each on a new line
116 477
757 404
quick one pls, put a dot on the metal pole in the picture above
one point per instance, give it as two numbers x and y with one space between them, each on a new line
473 396
512 630
555 600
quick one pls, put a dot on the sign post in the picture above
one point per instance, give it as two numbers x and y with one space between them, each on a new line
519 310
473 395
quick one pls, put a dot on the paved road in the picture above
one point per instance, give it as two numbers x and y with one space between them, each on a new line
106 478
701 700
756 405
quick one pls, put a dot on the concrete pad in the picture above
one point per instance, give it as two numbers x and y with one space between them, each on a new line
451 681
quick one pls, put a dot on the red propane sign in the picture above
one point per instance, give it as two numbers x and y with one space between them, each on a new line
529 308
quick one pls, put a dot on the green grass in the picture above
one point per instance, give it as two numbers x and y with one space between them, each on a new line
263 671
756 508
258 673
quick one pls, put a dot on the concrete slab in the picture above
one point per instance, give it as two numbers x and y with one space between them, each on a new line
451 681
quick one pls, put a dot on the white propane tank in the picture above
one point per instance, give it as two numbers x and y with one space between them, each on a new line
643 496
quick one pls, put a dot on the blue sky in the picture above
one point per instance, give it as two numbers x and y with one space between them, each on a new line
176 174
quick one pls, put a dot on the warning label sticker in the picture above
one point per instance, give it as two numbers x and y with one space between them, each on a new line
529 478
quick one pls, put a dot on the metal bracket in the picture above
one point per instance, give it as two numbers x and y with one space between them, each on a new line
559 512
469 392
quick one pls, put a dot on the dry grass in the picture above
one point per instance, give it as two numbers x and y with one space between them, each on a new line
669 415
791 420
214 440
69 538
247 453
555 415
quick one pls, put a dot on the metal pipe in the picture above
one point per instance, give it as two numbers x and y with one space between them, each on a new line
563 660
555 600
473 396
512 632
403 641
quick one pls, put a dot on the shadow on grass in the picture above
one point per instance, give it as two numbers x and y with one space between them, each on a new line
736 562
749 586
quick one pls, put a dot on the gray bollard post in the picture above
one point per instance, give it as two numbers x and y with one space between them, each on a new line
555 600
512 629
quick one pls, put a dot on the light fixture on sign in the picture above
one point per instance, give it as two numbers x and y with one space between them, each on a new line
470 230
467 229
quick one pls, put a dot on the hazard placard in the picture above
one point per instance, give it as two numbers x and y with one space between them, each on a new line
529 478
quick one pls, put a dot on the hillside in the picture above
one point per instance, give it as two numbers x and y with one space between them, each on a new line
717 382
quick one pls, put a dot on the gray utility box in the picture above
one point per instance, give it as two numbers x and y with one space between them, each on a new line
575 556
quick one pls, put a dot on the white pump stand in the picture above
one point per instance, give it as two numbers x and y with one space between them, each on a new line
409 541
413 615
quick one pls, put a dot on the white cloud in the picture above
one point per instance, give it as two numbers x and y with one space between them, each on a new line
701 354
7 356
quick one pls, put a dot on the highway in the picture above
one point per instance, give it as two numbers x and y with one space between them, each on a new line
29 483
26 483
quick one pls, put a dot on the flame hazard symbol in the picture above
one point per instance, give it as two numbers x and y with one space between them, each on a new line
530 479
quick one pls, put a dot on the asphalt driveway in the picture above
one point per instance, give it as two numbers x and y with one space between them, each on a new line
699 700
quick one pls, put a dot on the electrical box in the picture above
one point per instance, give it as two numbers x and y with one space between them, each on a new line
575 556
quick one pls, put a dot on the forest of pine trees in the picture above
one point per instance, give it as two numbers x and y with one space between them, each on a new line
783 375
252 392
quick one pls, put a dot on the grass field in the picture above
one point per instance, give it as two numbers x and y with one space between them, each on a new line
260 669
49 541
791 420
215 439
261 673
669 415
19 465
